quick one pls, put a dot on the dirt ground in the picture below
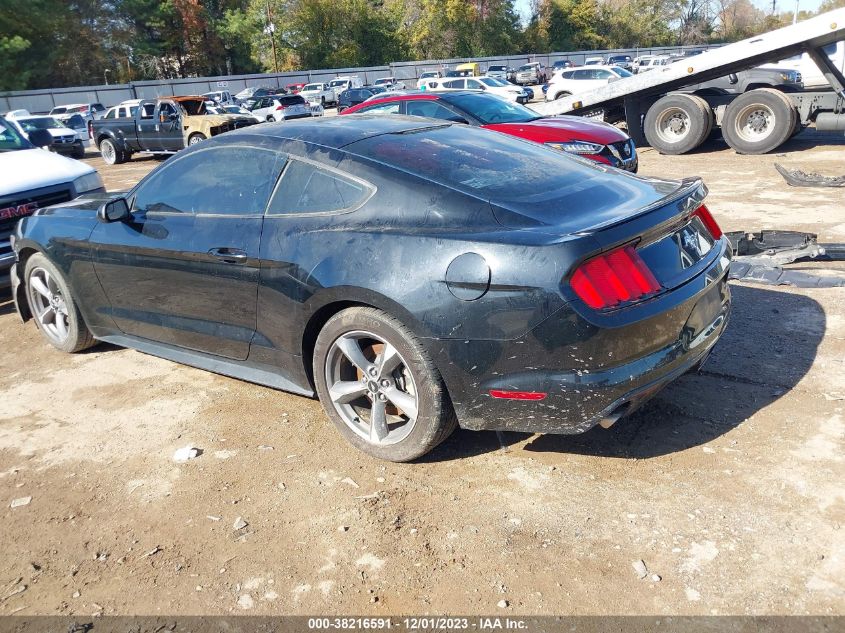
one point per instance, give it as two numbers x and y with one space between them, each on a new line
729 485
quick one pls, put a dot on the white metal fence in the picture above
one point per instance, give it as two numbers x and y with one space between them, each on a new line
44 100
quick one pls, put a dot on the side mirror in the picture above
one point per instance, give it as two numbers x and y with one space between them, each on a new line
483 87
458 119
114 210
733 79
40 138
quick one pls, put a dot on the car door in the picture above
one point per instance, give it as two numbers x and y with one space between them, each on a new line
183 270
171 138
262 108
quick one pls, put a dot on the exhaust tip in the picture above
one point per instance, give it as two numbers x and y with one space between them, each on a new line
613 417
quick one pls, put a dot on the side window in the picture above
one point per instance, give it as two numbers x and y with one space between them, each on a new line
430 109
149 108
307 188
581 74
110 114
566 74
229 180
384 108
472 84
460 84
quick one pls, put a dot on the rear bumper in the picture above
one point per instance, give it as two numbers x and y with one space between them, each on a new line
574 362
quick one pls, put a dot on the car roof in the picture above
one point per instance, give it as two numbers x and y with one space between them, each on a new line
337 132
593 67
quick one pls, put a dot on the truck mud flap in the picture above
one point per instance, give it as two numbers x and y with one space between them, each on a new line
760 257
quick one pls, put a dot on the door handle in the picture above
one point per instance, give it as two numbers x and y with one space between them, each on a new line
229 255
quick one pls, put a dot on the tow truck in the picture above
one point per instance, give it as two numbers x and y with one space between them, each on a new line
658 111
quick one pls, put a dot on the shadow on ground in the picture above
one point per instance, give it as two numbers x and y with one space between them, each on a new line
769 346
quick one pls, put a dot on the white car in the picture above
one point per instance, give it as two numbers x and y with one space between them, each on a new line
581 79
65 139
389 83
642 60
318 93
281 108
339 84
487 84
33 178
810 74
94 110
220 97
650 63
428 74
594 61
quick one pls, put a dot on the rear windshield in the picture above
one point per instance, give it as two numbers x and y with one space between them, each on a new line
291 100
527 67
497 68
494 166
41 123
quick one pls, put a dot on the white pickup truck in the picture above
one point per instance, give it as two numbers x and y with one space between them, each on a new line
318 93
32 178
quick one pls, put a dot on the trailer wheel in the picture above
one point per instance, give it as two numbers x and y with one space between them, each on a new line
677 123
757 122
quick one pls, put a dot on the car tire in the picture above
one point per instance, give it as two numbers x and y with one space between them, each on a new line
111 153
367 335
53 307
195 138
78 152
562 94
677 123
758 121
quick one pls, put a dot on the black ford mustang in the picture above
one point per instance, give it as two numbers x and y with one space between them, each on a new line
414 274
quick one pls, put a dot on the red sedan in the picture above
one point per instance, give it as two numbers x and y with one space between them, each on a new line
598 141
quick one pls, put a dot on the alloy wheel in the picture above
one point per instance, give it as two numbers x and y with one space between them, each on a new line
673 125
49 305
371 387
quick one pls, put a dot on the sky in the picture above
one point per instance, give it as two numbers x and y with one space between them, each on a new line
524 6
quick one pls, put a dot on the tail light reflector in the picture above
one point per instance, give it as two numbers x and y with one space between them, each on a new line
615 277
706 218
281 107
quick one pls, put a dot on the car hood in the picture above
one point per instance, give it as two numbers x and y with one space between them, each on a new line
35 168
562 128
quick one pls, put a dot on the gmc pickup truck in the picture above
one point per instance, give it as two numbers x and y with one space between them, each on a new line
162 126
34 178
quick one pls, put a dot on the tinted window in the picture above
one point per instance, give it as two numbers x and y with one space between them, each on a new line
111 114
430 109
292 100
306 188
491 109
581 74
455 83
567 74
218 180
547 183
602 74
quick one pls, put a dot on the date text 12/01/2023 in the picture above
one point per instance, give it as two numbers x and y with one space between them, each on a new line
418 623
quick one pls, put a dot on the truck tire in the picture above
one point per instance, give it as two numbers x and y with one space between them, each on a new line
759 121
111 153
195 138
678 123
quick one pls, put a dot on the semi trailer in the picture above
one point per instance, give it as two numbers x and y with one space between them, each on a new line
665 109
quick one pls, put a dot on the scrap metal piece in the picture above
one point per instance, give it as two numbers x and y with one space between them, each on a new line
798 178
759 258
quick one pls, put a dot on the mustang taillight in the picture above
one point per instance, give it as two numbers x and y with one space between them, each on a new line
706 218
618 276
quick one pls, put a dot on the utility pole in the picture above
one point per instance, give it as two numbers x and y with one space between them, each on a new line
271 29
795 15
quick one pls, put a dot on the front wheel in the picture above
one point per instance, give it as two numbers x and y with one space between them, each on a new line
195 138
53 307
379 386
